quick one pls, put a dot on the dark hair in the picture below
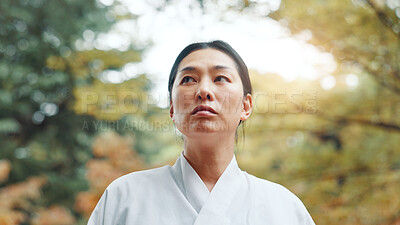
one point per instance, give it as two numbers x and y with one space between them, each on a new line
218 45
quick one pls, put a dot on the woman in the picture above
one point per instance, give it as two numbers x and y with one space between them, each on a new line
210 96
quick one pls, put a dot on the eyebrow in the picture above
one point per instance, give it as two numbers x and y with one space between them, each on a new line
217 67
188 68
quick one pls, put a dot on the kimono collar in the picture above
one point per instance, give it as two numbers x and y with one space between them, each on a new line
194 189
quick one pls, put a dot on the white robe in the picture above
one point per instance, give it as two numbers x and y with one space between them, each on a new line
176 195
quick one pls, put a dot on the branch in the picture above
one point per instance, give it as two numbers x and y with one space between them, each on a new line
377 77
388 126
385 19
345 120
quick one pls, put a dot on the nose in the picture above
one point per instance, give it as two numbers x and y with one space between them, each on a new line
204 92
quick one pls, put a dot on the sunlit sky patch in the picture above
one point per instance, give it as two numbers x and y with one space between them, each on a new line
328 82
265 45
352 80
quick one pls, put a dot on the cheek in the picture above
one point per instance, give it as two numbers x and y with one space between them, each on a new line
182 102
231 103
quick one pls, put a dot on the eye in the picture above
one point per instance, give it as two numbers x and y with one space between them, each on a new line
187 79
221 79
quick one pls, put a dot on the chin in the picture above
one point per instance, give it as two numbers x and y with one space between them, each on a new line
204 127
207 127
199 127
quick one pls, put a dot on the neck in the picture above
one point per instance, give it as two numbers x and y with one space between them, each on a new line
209 158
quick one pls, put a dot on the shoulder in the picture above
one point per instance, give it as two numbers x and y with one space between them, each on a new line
273 191
268 185
278 202
126 192
139 179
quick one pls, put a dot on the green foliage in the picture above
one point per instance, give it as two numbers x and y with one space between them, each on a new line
361 34
343 159
39 131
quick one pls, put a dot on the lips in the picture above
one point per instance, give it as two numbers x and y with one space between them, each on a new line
205 108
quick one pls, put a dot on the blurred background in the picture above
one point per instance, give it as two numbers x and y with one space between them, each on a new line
83 100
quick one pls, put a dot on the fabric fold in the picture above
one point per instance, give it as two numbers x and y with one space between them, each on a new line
177 195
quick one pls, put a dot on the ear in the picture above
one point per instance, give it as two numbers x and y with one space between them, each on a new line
171 110
247 107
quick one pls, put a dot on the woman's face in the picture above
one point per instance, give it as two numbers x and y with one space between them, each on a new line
207 95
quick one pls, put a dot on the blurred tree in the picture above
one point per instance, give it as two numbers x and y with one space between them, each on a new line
343 171
113 158
40 132
15 200
343 157
362 35
54 215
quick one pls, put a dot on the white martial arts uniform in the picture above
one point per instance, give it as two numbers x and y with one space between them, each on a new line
177 196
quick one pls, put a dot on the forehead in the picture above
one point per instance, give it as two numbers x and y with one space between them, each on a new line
207 57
